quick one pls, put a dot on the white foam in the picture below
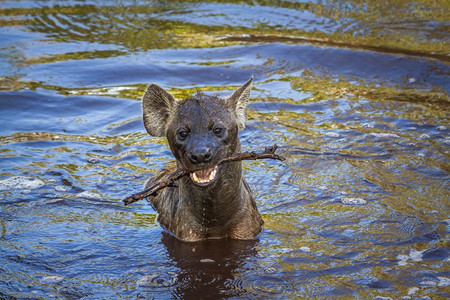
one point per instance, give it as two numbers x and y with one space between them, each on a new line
115 90
332 134
444 281
89 195
368 125
428 283
384 135
402 259
305 249
52 279
146 280
353 201
20 183
412 291
60 188
414 255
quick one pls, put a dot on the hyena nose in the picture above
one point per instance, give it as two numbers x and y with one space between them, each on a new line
200 155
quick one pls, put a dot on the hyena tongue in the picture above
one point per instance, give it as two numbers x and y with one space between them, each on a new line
203 174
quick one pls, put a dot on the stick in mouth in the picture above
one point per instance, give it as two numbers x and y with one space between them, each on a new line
201 175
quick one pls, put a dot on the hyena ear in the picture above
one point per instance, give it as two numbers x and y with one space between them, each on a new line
157 107
238 101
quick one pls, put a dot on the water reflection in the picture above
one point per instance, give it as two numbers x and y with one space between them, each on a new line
355 93
210 267
411 27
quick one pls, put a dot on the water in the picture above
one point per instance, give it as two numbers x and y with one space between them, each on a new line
354 93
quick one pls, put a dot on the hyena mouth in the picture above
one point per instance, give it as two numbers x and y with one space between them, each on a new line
205 176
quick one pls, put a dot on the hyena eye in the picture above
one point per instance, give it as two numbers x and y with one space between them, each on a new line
218 131
182 134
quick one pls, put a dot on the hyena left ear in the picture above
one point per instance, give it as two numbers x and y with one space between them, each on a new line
158 106
238 101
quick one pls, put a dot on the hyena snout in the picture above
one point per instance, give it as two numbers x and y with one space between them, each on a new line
201 154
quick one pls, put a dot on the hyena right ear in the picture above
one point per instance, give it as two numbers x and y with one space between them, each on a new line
157 108
238 102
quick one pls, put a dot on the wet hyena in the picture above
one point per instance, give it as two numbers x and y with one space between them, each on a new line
215 201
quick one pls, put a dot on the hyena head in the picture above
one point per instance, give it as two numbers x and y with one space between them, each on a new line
201 130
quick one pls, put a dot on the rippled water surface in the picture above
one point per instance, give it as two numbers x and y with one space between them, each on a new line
355 93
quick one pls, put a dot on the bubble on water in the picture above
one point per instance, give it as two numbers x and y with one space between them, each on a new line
20 183
53 279
207 260
332 134
89 195
442 128
270 270
367 125
353 201
93 161
60 188
424 136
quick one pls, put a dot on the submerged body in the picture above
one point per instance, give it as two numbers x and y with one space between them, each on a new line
214 201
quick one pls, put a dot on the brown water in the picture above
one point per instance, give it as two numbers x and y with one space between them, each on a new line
355 93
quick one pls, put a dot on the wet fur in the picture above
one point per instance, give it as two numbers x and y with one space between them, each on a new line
225 209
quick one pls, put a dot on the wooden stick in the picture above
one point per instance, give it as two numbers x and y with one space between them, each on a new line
170 180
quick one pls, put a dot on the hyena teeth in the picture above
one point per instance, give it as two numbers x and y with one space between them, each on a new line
207 178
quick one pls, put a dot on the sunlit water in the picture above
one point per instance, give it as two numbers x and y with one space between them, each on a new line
354 93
